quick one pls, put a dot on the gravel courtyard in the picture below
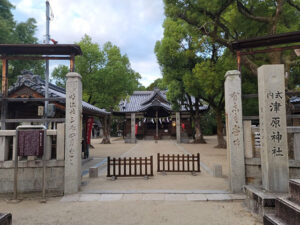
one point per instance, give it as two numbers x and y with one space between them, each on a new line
94 205
209 156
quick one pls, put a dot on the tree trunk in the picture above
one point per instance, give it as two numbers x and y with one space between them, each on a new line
220 136
198 131
106 136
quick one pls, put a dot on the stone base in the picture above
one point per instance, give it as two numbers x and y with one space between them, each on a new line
130 141
217 171
260 201
93 172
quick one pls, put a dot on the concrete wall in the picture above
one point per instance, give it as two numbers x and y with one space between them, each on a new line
30 168
253 164
254 175
30 176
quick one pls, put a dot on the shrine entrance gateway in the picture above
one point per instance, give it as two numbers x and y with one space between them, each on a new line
273 129
271 168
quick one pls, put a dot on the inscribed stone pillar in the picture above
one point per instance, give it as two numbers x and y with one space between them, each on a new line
248 139
178 136
133 140
234 130
73 133
273 131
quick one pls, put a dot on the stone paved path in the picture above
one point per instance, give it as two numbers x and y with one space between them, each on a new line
151 197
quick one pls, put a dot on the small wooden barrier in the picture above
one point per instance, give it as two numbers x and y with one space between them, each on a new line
178 163
130 167
5 219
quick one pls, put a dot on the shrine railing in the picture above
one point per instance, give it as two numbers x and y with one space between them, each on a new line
178 163
130 167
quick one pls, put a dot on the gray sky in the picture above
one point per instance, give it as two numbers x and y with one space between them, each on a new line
133 25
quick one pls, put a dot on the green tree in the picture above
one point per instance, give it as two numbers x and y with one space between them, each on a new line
59 75
7 23
107 76
157 83
21 33
178 54
225 21
210 75
88 65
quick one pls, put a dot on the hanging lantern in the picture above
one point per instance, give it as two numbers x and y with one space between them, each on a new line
173 123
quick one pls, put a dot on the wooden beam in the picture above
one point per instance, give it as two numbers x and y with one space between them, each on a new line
33 99
34 58
58 120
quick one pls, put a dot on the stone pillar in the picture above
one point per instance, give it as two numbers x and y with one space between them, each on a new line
249 153
73 133
4 148
178 136
273 131
60 141
133 140
234 131
296 145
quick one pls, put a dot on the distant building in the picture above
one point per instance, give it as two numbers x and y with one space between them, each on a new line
33 86
153 111
295 101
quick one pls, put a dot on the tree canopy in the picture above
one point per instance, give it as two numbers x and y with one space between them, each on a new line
21 33
107 76
224 21
196 50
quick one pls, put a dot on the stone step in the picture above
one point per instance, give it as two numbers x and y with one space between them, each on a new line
295 190
271 219
260 201
166 137
149 137
287 211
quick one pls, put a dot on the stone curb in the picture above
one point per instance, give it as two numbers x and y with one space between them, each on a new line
151 197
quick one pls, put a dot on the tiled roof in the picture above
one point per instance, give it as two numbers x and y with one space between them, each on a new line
37 84
140 101
295 99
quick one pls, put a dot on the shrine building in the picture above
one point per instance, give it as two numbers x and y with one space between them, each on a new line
149 115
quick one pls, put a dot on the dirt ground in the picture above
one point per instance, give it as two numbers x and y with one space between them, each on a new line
141 212
55 212
172 181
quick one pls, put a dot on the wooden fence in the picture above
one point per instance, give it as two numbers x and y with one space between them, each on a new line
178 163
130 167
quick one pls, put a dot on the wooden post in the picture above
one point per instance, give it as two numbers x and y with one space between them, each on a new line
72 63
119 167
182 162
164 163
114 166
130 166
151 160
125 167
108 166
135 171
198 161
4 93
141 168
156 126
158 162
146 165
173 162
